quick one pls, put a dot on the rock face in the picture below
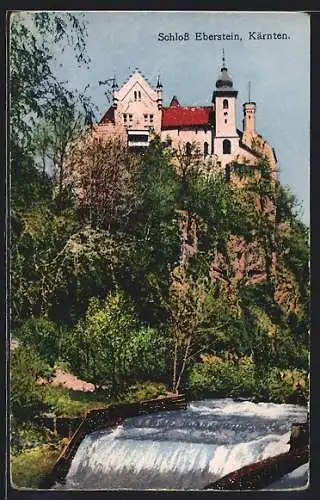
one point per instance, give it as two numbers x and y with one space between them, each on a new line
248 263
69 381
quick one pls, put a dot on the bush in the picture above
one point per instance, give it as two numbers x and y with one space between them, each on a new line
26 396
282 386
25 435
148 355
218 377
69 403
142 391
43 336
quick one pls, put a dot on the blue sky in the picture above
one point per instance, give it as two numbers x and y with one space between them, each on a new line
278 69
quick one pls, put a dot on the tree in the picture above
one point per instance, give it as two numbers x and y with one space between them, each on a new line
101 173
153 230
42 336
33 85
99 348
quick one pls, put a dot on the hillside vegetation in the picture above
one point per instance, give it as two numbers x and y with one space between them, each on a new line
130 269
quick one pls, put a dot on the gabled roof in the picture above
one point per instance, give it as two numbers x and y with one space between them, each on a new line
108 116
185 116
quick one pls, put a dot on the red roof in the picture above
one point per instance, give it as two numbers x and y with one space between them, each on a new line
180 116
108 116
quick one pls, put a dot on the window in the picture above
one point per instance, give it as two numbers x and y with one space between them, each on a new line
225 121
188 148
139 95
227 173
226 147
130 118
125 118
135 95
145 118
206 149
225 104
151 118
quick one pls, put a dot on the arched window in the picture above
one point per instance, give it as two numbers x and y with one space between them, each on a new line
205 149
188 148
139 95
135 95
227 173
225 104
226 147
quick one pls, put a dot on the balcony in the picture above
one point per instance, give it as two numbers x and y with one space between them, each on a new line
138 138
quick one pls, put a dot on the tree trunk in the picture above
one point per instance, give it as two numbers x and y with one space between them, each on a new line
175 361
183 364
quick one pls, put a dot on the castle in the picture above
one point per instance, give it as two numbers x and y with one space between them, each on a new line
137 112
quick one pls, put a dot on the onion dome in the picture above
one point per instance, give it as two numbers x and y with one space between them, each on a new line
224 81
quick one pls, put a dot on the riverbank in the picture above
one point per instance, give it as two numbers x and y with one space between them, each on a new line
35 450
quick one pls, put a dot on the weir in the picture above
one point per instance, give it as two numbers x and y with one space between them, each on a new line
108 418
184 450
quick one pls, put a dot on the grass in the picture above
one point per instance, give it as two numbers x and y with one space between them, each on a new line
30 467
69 403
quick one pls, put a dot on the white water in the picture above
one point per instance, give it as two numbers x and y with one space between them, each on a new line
183 449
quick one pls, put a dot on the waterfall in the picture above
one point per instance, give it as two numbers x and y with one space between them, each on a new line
183 449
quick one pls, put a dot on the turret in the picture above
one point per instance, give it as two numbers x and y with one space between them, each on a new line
249 117
159 93
114 93
249 114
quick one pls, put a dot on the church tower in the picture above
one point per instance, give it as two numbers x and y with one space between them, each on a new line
226 138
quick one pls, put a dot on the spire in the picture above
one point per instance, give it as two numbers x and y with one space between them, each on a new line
159 84
223 61
114 83
174 102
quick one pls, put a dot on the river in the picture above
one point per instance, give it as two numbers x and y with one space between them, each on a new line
185 449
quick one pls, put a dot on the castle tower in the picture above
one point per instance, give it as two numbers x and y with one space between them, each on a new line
226 138
249 115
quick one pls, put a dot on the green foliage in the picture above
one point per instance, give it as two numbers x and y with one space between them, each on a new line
42 336
69 403
31 467
26 435
26 396
153 229
142 391
99 347
148 353
218 377
282 386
